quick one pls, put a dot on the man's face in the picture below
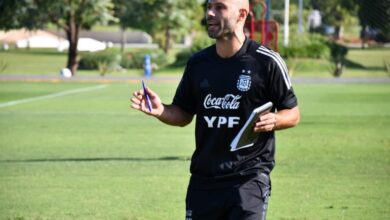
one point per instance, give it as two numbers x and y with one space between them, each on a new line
221 17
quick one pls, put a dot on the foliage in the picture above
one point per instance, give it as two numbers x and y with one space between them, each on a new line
69 15
34 14
200 42
306 45
110 60
163 19
376 14
293 18
135 59
182 58
279 5
336 12
365 63
137 14
18 14
90 61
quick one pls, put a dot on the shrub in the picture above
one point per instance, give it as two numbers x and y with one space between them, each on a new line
109 60
200 42
135 59
94 60
306 46
182 58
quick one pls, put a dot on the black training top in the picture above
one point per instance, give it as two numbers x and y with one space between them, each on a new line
222 93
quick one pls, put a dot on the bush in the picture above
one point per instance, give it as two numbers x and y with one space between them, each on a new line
108 60
182 58
306 46
135 59
94 60
200 42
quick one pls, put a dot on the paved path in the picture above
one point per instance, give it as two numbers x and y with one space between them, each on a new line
136 79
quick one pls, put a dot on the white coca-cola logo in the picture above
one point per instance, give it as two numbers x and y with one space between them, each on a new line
230 101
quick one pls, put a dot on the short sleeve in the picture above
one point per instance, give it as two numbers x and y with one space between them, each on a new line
282 93
184 97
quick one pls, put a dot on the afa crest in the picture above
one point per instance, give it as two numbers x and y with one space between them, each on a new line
244 82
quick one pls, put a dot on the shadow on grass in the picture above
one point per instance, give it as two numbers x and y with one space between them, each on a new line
354 65
129 159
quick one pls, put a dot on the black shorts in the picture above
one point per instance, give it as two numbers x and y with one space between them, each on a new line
246 202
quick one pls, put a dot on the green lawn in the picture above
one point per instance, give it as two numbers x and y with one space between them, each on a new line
361 63
50 62
32 61
88 156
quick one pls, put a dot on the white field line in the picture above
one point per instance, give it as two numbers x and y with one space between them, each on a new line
50 96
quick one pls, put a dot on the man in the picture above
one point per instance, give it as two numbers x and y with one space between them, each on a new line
221 85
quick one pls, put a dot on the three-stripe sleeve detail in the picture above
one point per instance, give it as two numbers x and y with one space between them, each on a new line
279 61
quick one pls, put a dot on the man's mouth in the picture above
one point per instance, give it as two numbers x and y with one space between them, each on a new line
211 24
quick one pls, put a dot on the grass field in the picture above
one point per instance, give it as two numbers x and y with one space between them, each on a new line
85 155
361 63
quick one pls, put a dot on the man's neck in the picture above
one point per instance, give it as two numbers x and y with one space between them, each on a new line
227 47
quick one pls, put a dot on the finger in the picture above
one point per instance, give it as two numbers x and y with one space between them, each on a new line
137 95
136 100
136 106
264 122
151 93
266 116
267 125
141 107
265 128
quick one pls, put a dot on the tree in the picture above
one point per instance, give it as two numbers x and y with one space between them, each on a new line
69 15
336 12
176 18
279 5
137 14
160 18
375 14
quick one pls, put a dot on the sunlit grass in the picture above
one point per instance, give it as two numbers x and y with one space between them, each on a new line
88 156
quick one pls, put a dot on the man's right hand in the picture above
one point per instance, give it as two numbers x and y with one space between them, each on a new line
169 114
138 101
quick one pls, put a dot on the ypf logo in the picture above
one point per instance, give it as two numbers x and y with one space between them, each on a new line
244 81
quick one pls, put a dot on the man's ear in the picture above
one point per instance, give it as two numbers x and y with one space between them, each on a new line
243 14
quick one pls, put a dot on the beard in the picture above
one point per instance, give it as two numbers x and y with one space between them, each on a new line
220 28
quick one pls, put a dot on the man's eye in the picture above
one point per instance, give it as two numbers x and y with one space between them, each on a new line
219 7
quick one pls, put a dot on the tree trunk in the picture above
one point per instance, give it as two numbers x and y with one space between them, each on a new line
338 33
338 69
123 39
363 36
167 45
72 33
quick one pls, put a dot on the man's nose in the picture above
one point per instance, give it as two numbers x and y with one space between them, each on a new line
210 13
